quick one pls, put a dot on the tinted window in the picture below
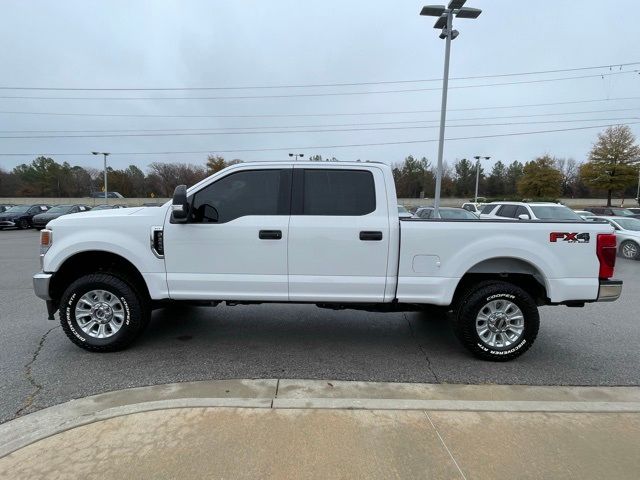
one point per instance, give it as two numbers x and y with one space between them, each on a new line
338 192
508 211
521 211
252 192
487 209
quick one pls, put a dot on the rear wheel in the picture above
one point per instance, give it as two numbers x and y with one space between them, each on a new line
630 250
102 313
497 321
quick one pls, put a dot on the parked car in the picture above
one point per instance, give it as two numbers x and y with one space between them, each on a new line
5 206
107 207
448 213
101 195
527 211
20 216
612 212
627 233
322 233
473 207
583 213
40 221
403 212
635 210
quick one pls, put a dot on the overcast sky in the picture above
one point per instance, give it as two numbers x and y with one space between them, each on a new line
189 43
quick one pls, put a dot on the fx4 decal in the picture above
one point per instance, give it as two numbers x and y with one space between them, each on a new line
569 237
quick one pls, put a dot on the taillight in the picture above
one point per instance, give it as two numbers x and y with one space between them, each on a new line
606 251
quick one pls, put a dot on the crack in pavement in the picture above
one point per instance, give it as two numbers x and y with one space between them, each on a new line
28 401
424 352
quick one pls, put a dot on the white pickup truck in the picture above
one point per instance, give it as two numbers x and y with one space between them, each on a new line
322 233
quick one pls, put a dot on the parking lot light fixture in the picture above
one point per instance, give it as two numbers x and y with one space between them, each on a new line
445 23
297 155
478 157
105 154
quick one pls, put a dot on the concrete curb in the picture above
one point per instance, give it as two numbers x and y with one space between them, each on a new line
314 394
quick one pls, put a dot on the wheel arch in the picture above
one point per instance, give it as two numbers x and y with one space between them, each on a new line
93 261
509 269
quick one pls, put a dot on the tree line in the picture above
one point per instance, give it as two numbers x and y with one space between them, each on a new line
611 169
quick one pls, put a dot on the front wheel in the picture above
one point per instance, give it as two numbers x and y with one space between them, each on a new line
497 321
23 224
102 313
630 250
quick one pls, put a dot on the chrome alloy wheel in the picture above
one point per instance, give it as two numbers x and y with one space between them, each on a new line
99 313
500 323
630 250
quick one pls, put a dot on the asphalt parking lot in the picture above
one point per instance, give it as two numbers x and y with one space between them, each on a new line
596 345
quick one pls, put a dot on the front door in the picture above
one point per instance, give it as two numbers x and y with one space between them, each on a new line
234 246
338 235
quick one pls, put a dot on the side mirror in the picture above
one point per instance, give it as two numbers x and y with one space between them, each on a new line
180 206
524 216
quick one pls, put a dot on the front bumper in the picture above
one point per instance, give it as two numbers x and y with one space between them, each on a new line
41 285
609 290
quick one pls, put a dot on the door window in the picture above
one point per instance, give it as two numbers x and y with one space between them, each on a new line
487 209
338 192
521 211
249 192
508 211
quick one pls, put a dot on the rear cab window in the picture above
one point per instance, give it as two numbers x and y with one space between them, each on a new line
338 192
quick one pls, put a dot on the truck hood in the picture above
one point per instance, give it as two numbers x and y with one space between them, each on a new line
111 217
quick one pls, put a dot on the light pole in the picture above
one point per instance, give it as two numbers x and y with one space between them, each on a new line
297 155
445 22
638 191
106 154
478 157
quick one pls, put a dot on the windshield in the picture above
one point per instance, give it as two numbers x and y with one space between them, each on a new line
554 213
622 212
60 209
629 223
18 209
401 209
457 214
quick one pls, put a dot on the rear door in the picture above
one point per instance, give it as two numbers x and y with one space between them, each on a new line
338 234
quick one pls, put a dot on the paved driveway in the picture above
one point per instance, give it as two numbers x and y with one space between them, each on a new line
39 367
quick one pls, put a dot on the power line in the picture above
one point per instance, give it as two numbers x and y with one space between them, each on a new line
325 130
318 85
358 124
316 147
300 115
320 94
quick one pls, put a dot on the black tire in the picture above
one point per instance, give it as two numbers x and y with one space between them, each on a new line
23 224
470 306
135 308
626 252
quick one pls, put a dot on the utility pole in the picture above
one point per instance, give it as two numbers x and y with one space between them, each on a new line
478 157
105 173
445 22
